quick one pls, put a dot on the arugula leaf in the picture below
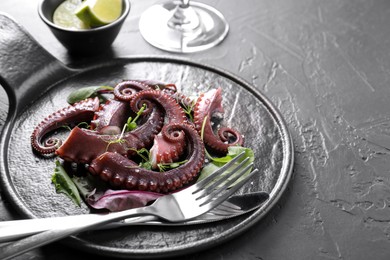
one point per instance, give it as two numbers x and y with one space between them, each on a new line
217 163
87 92
64 184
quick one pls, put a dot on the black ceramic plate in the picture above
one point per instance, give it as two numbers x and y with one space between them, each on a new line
26 178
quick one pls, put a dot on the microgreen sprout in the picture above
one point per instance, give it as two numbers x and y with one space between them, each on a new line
131 123
67 127
167 166
144 154
189 108
202 135
119 140
83 124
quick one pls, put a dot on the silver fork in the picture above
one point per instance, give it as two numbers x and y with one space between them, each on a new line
180 206
17 229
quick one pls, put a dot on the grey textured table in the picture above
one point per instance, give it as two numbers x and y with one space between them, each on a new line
326 66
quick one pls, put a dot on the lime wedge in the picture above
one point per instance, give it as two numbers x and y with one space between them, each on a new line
99 12
64 15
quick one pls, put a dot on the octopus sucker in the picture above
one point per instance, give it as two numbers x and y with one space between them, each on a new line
131 182
117 180
82 111
171 179
152 185
208 104
106 175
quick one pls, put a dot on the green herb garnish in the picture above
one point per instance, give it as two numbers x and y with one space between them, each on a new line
119 140
217 163
64 184
145 161
168 166
188 109
88 92
131 123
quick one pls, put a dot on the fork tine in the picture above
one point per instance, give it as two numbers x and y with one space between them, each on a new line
229 192
201 184
229 206
221 210
211 192
222 178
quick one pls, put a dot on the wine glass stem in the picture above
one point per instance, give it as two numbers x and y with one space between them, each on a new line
184 18
185 3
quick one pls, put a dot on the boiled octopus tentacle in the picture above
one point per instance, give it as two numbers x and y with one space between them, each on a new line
125 90
123 173
95 143
83 145
82 111
167 147
150 128
226 133
173 111
159 85
207 104
163 151
112 113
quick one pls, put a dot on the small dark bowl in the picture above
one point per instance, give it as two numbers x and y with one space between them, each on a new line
83 41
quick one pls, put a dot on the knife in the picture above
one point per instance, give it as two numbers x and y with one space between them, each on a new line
236 205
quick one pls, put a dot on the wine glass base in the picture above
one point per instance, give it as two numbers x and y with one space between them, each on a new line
212 29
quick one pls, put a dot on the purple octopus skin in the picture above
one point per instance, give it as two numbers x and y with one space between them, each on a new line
121 172
159 85
82 111
125 90
95 143
112 113
207 104
167 147
173 112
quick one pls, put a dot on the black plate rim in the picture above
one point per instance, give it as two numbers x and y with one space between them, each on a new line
250 219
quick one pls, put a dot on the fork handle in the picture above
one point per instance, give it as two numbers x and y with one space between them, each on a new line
17 229
26 244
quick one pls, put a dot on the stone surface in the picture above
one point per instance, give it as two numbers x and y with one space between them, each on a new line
325 65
